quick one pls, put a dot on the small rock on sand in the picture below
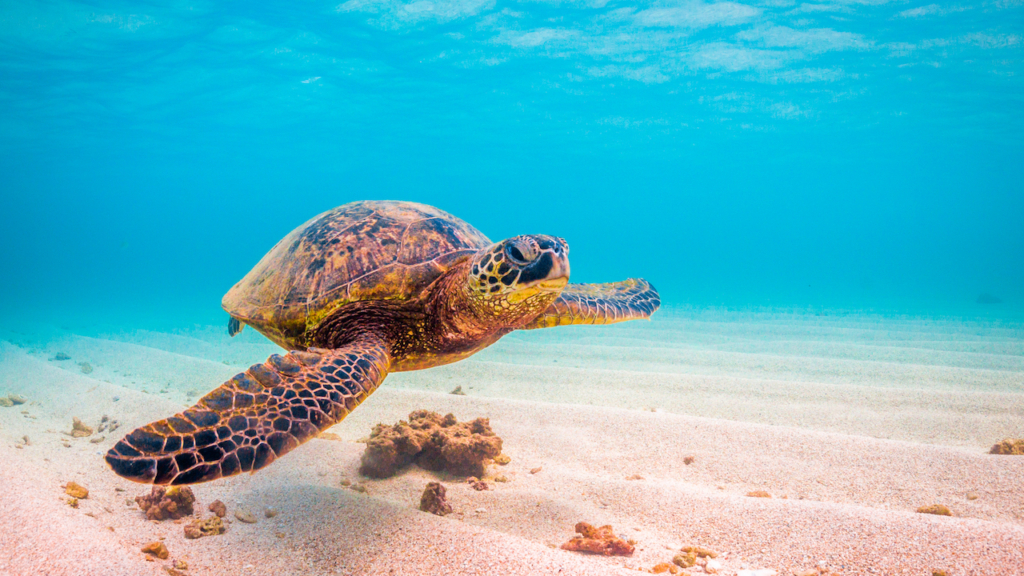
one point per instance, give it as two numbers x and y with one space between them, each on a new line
714 566
759 494
535 470
458 391
85 367
17 399
5 402
759 572
433 499
218 508
61 356
76 490
270 512
502 459
937 509
156 549
245 516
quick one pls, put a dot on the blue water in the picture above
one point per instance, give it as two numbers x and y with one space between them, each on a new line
852 153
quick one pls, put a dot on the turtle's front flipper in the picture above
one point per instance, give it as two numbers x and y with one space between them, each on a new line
600 304
234 326
255 417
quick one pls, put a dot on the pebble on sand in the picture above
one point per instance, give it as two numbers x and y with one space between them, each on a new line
714 566
759 494
758 572
477 484
61 356
664 567
218 508
76 490
700 552
329 436
685 559
458 391
502 459
688 460
937 509
601 540
85 367
433 499
245 516
270 511
156 549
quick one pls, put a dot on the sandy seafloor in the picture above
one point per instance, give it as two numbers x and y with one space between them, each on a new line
850 421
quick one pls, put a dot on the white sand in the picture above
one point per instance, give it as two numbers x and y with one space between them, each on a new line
851 422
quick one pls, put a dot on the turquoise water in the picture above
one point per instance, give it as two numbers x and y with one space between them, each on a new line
853 153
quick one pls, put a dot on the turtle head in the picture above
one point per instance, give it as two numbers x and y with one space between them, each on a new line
516 279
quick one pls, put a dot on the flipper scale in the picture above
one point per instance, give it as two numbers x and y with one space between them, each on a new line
609 303
255 417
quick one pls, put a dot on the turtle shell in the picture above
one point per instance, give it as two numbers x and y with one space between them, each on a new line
359 251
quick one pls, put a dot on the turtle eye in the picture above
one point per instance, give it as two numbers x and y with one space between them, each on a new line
515 254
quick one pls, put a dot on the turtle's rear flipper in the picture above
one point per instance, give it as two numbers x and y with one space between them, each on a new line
234 326
631 299
255 417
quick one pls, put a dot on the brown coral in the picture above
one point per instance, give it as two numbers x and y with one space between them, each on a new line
598 541
163 503
1009 447
208 527
433 442
433 499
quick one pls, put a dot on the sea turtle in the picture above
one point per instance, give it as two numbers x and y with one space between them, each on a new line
355 293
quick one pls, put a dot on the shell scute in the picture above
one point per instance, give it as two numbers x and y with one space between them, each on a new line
359 251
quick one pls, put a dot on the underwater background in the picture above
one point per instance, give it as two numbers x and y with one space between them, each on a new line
860 154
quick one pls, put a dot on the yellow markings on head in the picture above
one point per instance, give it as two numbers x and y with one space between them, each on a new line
522 294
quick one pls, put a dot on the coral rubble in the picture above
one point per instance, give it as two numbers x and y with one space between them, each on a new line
208 527
477 484
157 549
598 541
79 429
1009 447
433 442
163 503
433 499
